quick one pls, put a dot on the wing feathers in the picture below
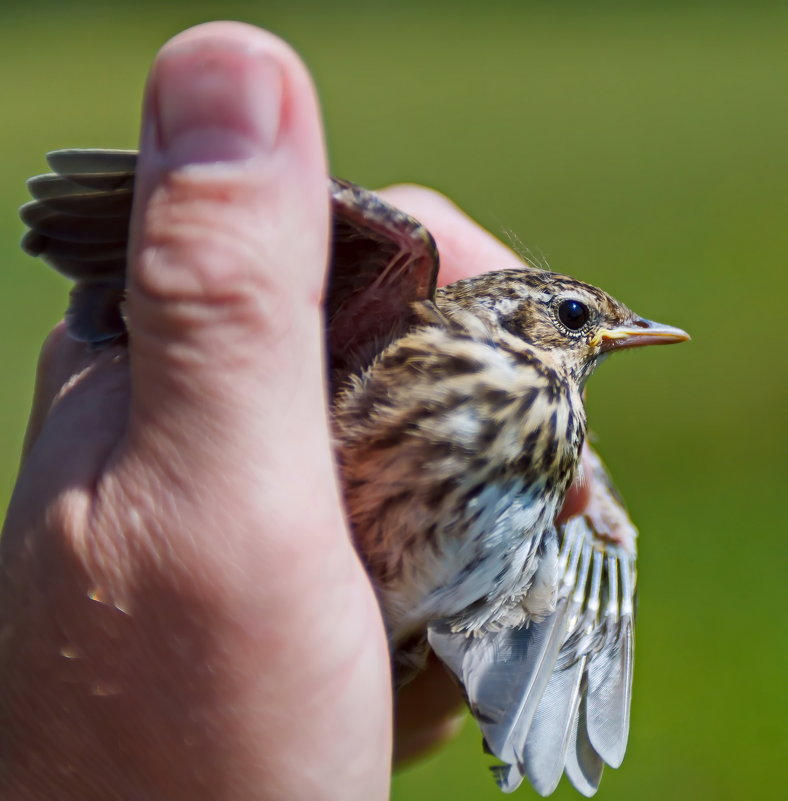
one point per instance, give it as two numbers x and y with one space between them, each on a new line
504 674
554 696
551 730
610 669
92 161
583 766
382 262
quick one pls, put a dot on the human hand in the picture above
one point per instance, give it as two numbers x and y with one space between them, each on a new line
183 613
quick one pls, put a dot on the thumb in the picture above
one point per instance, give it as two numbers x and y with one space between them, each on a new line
228 253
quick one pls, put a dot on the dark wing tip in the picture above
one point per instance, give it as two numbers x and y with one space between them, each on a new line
79 224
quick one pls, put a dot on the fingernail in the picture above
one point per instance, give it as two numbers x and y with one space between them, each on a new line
216 101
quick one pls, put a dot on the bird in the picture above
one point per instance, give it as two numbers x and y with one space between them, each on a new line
458 425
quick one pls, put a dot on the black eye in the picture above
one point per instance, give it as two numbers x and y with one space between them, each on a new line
573 314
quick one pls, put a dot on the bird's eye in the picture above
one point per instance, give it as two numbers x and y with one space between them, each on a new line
573 314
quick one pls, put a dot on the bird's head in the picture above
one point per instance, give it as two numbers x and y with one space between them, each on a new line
572 323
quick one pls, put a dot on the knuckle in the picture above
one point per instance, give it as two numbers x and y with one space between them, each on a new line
60 359
205 248
67 515
201 240
55 347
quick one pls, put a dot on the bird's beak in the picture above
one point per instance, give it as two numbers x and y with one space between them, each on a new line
638 333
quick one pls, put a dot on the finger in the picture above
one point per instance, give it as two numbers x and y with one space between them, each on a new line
228 248
576 500
226 473
227 261
579 494
429 711
228 252
465 248
62 359
228 415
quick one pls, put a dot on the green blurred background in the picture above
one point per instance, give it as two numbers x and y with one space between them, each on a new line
639 146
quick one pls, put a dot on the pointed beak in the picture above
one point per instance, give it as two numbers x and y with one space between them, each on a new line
638 333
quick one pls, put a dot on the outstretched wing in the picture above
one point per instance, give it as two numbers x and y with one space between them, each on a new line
382 259
554 696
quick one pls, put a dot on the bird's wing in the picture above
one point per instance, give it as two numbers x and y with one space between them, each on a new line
79 224
554 696
383 260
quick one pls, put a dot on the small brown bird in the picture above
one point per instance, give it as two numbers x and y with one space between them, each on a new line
459 425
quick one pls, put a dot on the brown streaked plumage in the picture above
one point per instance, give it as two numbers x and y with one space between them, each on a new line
459 425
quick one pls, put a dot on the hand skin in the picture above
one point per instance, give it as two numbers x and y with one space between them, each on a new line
182 613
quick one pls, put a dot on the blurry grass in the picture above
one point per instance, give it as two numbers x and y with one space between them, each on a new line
642 150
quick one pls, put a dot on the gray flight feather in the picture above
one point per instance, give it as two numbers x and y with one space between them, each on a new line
548 738
504 674
610 669
583 765
553 696
549 735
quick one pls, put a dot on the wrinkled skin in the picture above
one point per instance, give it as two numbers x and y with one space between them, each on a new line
177 621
